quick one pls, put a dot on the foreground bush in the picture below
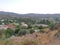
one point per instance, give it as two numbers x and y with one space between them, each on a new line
23 41
22 32
8 33
31 31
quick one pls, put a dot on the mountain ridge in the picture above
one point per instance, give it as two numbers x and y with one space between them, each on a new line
32 15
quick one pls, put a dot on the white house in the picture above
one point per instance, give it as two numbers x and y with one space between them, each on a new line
3 27
43 25
24 24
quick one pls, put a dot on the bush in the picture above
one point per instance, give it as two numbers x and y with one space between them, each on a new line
1 33
8 33
40 27
41 30
17 30
22 32
29 26
31 31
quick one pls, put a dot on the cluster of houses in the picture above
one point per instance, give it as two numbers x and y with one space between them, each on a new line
43 25
23 24
11 26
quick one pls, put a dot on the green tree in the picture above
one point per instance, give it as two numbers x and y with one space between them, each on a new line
8 33
40 27
22 32
17 30
31 31
1 32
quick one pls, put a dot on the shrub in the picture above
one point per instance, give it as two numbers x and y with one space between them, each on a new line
41 30
17 30
29 26
40 27
22 32
8 33
31 31
1 33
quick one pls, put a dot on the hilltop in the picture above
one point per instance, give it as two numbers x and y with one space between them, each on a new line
31 15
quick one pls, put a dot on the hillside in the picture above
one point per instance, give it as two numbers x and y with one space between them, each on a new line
32 15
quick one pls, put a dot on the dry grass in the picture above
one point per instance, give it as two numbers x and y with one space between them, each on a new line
32 39
2 42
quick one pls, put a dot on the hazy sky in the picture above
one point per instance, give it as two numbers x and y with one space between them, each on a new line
30 6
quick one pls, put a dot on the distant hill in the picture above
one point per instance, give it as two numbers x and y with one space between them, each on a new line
32 15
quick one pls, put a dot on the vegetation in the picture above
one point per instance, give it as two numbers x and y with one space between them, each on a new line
22 32
8 33
29 33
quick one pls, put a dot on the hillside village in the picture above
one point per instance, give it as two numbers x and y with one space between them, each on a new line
29 31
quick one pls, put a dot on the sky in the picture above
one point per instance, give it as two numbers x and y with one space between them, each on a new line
30 6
